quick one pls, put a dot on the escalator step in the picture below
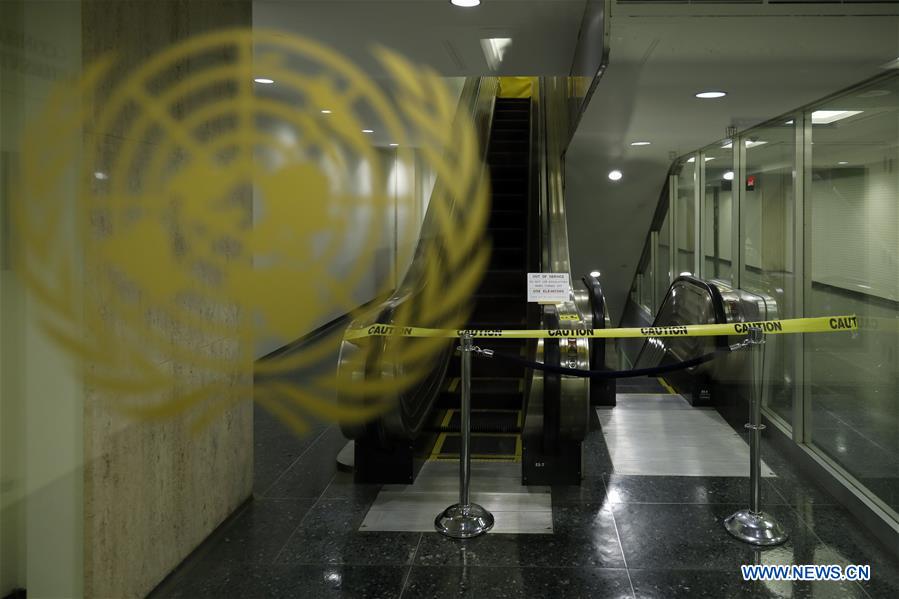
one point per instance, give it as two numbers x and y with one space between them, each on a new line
489 447
484 421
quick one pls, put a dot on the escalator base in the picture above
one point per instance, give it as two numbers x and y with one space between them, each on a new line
486 447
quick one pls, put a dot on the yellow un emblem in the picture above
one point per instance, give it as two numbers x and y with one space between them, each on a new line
242 187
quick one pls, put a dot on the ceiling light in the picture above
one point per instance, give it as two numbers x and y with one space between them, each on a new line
710 95
826 117
729 176
615 175
494 50
594 273
263 80
640 143
101 176
790 122
465 3
326 111
754 143
691 159
368 131
842 162
394 145
686 274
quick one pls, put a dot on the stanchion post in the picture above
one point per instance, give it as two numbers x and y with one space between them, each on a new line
752 525
464 520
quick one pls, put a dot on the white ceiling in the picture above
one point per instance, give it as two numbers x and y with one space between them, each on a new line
436 33
768 65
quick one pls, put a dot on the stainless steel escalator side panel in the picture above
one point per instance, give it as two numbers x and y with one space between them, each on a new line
549 106
410 407
692 301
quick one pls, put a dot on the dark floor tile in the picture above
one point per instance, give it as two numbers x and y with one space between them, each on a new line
310 474
838 529
692 537
428 581
223 580
705 584
318 546
595 546
336 515
276 446
343 487
800 491
596 458
591 490
685 489
259 532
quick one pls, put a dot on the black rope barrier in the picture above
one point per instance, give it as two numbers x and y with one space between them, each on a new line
605 374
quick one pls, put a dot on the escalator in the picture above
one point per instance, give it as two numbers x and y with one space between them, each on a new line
499 302
691 300
518 415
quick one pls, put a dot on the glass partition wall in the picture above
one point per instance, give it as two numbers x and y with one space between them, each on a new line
803 211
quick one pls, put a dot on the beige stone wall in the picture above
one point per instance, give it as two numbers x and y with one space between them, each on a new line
154 490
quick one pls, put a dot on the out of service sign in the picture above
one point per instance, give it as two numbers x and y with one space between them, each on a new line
548 287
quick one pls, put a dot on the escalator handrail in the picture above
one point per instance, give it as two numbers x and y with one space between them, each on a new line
414 404
713 292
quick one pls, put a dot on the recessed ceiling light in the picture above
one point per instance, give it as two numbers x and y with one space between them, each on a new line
842 162
691 159
711 95
640 143
394 145
594 273
326 111
368 131
263 80
101 176
465 3
790 122
615 175
729 176
826 117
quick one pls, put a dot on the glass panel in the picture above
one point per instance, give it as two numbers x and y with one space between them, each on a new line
663 277
686 207
718 163
852 264
646 280
768 208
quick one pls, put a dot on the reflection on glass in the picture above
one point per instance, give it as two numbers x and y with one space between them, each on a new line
663 276
645 289
767 231
685 203
852 250
718 209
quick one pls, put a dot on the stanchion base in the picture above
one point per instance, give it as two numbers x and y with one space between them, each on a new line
755 528
464 521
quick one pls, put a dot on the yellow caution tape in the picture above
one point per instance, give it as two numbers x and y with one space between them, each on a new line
820 324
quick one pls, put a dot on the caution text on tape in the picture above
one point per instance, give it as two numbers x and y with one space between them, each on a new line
820 324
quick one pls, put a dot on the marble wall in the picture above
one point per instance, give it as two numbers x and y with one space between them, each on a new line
153 490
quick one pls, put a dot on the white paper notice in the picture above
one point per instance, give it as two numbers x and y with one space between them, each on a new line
548 287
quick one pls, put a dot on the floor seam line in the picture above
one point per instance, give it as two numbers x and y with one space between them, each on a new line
411 565
620 544
293 463
303 519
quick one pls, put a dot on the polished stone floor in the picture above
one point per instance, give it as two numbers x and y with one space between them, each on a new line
615 535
